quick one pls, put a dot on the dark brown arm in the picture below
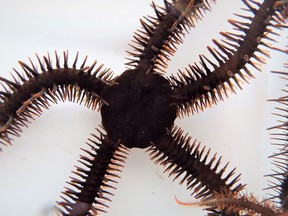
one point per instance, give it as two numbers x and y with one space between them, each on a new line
181 157
157 40
89 189
204 84
23 98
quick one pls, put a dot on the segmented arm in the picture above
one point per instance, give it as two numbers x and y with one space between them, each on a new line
23 98
157 41
89 189
206 84
276 203
181 157
234 204
279 178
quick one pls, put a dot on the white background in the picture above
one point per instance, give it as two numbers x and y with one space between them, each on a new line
33 171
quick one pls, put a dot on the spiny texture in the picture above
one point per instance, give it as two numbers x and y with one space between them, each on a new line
94 178
180 157
236 203
203 84
139 107
239 203
157 40
28 93
279 181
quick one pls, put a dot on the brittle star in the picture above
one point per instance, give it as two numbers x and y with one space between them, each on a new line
196 136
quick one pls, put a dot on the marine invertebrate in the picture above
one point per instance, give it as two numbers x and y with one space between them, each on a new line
151 61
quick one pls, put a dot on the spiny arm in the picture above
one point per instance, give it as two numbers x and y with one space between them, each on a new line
156 42
279 179
205 84
89 189
181 157
234 204
23 98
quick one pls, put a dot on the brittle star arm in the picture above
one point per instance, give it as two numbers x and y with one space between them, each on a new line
276 203
278 179
181 156
190 162
23 98
156 42
205 85
89 190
